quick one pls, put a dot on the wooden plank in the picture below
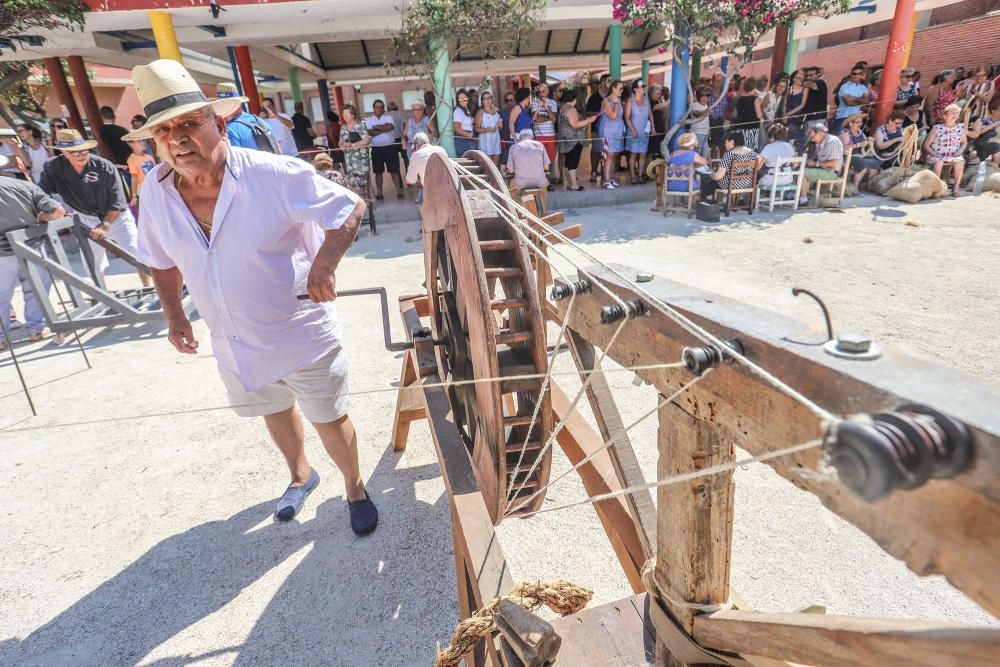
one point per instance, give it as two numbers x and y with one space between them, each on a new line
610 635
609 422
578 441
848 641
695 520
949 527
404 406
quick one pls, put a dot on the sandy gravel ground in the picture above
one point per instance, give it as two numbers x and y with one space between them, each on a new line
137 513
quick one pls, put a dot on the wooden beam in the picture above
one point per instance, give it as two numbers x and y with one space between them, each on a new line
695 519
621 454
949 527
848 641
578 441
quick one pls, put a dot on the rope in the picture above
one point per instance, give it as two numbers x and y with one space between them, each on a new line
907 149
653 588
361 392
688 476
606 444
667 310
560 596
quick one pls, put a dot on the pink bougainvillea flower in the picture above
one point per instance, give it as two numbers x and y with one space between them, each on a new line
661 49
638 22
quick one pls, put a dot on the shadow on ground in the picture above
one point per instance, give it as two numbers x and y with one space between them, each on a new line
325 612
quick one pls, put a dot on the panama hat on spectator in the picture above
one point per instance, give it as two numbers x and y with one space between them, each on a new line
166 91
71 140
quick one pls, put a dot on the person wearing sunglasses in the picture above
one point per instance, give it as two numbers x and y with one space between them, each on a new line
852 96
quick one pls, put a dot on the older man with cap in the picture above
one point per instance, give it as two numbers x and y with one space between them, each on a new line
528 161
22 204
418 161
257 239
92 187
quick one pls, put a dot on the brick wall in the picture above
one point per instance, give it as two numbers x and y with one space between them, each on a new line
934 49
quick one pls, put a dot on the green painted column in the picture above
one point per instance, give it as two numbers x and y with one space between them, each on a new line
696 65
645 72
293 81
543 74
615 51
792 54
443 93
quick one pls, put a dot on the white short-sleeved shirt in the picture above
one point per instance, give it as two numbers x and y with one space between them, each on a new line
385 138
460 115
268 224
283 134
545 128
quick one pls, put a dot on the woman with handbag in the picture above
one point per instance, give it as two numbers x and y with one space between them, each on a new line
354 141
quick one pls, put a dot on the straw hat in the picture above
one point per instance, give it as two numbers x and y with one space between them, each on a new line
167 90
70 140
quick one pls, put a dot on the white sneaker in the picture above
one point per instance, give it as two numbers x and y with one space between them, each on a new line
610 185
615 183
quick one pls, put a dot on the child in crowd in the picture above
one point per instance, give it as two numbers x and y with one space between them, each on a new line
323 164
700 122
140 163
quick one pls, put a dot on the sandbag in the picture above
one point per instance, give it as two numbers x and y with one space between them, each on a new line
971 171
887 179
992 183
922 185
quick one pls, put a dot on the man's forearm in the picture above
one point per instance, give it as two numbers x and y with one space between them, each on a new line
169 285
111 216
337 241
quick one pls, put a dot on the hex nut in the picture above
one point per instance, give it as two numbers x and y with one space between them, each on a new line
854 342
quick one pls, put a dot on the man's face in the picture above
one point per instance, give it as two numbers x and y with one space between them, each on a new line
508 101
717 79
298 107
378 108
77 158
605 81
24 132
959 71
136 123
817 136
857 74
193 143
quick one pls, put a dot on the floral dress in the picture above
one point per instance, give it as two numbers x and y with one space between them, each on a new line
945 97
357 160
947 143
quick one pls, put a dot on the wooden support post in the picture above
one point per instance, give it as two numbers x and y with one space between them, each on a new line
609 421
695 522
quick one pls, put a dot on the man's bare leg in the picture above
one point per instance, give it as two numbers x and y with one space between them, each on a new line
145 278
341 443
285 428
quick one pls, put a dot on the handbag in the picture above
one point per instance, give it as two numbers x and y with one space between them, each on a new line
353 136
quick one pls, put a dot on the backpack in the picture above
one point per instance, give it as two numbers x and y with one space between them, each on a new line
262 136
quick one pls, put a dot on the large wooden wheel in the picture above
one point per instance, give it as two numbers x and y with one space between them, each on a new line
485 309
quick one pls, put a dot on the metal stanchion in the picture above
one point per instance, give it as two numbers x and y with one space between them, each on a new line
17 366
76 333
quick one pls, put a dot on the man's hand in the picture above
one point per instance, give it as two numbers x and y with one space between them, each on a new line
181 335
100 231
321 283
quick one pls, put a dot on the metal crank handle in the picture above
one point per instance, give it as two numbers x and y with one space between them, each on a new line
386 332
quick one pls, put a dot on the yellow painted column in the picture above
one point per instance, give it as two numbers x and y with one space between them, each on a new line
163 33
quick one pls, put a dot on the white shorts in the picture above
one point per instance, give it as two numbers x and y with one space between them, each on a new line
320 388
122 231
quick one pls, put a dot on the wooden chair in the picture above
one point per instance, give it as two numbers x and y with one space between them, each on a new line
741 169
684 174
776 193
835 183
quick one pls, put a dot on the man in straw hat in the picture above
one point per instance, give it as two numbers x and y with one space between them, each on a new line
22 204
92 187
251 234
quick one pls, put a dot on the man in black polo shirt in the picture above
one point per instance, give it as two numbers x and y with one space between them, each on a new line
112 134
92 187
302 129
819 96
593 108
22 204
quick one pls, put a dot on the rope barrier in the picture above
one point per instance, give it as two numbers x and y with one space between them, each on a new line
362 392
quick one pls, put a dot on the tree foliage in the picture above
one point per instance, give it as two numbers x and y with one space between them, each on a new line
734 26
484 28
19 18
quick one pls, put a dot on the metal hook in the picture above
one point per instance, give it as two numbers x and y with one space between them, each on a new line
826 317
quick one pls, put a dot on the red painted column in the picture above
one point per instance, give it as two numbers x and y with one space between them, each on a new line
778 53
895 56
247 78
54 68
339 93
89 101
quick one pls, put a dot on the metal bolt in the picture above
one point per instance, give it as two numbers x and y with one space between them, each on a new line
643 277
854 342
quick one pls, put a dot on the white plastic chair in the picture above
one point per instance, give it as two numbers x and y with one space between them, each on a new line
775 194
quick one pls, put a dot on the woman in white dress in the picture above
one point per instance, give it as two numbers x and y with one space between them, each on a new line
488 127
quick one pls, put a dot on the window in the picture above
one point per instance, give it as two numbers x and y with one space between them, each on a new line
368 99
411 96
316 109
